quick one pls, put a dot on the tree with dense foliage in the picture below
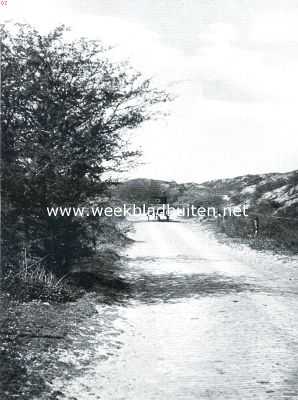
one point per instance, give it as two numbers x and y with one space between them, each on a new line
65 112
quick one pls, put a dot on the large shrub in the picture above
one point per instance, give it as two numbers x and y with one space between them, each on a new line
65 113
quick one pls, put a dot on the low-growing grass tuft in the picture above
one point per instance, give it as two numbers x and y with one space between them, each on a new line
35 282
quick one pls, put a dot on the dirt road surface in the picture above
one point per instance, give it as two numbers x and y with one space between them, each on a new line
207 321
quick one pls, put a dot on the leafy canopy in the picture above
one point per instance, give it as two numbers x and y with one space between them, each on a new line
66 109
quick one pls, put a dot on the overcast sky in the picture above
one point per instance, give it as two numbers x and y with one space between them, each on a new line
232 63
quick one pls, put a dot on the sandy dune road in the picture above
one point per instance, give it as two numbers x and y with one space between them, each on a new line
207 322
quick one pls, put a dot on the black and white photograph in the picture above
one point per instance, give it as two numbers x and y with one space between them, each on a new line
149 200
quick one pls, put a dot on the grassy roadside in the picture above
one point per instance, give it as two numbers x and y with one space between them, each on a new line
278 238
41 313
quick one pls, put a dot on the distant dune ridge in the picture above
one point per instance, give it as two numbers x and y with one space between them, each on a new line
274 192
271 199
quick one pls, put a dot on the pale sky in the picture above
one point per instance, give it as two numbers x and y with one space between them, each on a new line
233 65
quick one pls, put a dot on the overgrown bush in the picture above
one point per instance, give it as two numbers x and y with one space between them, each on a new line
65 110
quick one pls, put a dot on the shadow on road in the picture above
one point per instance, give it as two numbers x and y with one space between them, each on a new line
172 287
